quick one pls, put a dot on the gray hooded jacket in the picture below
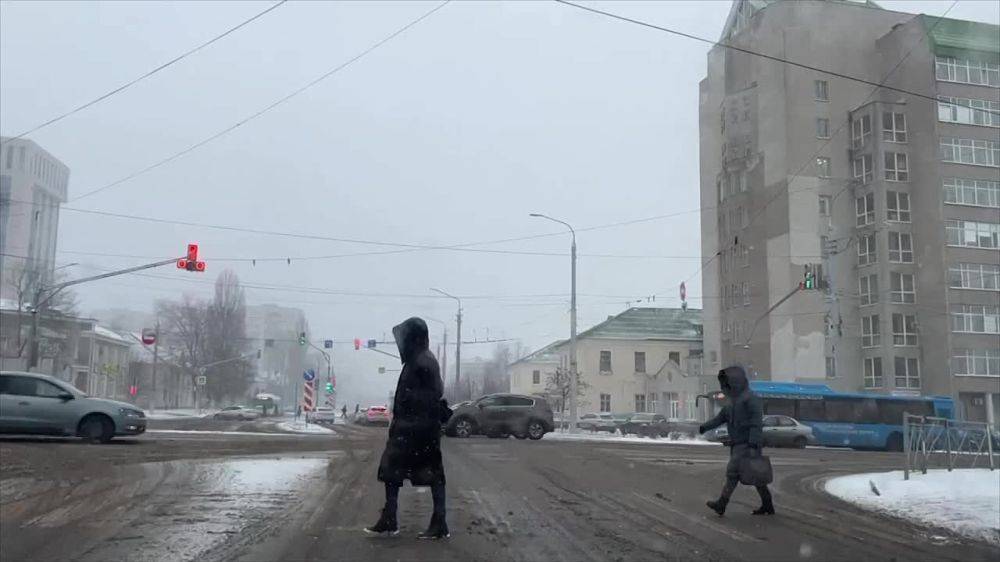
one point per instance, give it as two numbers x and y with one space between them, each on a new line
743 415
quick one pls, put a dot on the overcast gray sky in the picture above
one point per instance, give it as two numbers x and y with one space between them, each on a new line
451 133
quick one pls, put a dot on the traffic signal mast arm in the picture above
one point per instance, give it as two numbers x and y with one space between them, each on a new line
53 290
205 367
769 311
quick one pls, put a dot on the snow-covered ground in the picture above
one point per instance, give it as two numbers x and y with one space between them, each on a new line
302 427
615 438
966 501
174 414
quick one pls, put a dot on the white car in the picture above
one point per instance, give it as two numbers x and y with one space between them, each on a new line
237 413
322 414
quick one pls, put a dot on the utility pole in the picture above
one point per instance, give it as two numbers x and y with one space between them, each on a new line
156 359
573 388
444 347
458 340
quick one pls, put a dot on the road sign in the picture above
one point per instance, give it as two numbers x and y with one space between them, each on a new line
201 381
328 344
148 336
381 370
309 375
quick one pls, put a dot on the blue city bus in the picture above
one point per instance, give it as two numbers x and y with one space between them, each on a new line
849 419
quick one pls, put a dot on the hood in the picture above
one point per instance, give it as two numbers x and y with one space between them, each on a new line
733 381
411 338
113 403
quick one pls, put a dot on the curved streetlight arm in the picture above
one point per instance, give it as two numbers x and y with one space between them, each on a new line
564 223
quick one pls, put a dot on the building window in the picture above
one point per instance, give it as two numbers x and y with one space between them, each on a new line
972 234
975 319
821 90
831 367
640 402
983 276
900 247
969 111
964 71
978 193
10 157
605 366
976 362
896 168
865 209
902 289
970 151
897 206
893 127
868 289
536 377
870 332
907 372
673 405
822 128
863 169
866 250
822 167
861 131
904 330
873 372
674 357
605 402
640 361
824 205
746 293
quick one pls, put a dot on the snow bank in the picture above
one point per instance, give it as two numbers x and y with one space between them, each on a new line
302 427
174 414
966 501
614 438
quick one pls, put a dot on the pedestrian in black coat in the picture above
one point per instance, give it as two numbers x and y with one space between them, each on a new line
743 416
413 450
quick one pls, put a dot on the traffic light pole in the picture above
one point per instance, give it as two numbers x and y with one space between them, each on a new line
746 344
43 294
329 362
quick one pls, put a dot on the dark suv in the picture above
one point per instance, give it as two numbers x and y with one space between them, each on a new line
500 415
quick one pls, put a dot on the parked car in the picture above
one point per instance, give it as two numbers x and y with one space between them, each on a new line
377 415
322 415
635 423
672 429
33 403
603 421
500 415
237 413
783 431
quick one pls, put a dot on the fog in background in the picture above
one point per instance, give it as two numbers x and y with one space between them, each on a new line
450 133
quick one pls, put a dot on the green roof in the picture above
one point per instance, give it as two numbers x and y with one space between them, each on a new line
958 37
650 324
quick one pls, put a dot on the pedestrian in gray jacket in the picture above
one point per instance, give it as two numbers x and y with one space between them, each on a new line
743 417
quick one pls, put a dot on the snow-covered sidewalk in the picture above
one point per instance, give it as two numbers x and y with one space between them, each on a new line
175 414
303 427
616 438
966 501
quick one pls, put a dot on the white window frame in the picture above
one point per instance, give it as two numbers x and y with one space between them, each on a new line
746 293
900 247
910 372
974 276
972 234
897 206
897 167
861 131
965 71
873 372
864 209
966 111
896 129
972 193
823 167
868 289
867 249
831 367
825 203
605 408
863 168
978 362
600 363
904 330
972 152
822 128
871 332
640 403
821 90
902 292
635 359
966 319
536 376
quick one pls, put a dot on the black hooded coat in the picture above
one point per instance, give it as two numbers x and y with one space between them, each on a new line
413 450
743 415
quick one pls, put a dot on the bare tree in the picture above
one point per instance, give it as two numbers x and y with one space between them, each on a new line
226 339
557 385
25 281
496 377
183 331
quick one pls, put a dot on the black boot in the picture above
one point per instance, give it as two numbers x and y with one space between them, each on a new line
386 524
438 529
718 506
766 505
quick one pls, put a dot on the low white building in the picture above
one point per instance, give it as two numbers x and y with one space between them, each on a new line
642 360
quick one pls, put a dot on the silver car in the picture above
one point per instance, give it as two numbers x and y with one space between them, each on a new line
32 403
237 413
783 431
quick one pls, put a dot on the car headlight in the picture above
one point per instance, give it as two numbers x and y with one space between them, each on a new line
130 413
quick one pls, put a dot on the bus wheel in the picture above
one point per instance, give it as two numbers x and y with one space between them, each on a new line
894 443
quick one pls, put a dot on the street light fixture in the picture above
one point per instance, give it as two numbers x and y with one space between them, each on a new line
458 339
573 399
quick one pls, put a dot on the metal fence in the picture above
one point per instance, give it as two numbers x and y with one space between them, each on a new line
942 443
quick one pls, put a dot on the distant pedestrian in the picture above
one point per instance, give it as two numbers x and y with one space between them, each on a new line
413 449
357 408
743 416
298 410
343 412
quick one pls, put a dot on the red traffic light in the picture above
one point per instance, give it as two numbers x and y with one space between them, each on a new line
192 254
199 266
357 344
191 262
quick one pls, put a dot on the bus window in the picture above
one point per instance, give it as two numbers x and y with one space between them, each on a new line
867 411
852 410
810 410
779 406
891 411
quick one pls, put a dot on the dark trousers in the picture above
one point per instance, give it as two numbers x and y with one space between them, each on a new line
392 499
737 452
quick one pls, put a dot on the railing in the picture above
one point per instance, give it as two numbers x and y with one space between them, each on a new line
944 443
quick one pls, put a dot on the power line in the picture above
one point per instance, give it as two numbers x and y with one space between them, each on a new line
142 77
267 108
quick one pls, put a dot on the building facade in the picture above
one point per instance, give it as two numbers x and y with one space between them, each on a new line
890 199
33 184
275 331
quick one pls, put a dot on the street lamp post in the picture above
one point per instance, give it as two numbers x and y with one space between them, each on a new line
458 340
444 345
573 399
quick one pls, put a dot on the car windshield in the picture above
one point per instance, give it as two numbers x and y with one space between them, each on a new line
546 239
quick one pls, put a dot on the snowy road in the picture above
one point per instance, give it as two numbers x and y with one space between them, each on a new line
216 496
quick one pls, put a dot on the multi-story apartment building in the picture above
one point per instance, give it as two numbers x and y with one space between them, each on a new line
33 184
891 196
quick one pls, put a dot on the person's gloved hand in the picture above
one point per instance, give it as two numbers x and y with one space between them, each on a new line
701 429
